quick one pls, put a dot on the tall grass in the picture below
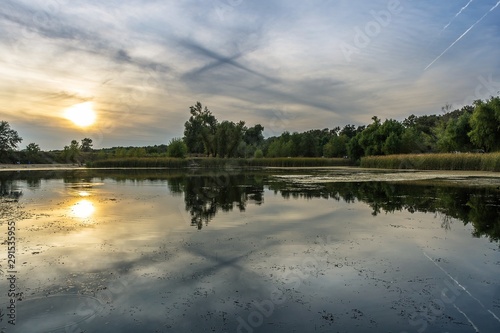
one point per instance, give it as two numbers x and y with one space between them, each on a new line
148 162
449 161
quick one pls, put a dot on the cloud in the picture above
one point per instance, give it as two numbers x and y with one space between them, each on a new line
143 63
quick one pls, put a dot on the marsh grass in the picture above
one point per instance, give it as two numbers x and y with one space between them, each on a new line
448 161
162 162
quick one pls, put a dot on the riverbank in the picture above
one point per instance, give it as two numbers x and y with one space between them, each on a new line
207 163
23 167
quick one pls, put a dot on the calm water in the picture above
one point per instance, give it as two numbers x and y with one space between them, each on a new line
307 251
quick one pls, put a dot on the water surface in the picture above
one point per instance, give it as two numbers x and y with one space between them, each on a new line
258 251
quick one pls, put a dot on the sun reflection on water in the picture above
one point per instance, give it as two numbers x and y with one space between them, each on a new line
83 209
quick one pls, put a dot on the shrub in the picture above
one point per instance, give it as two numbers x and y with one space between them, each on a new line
177 148
258 154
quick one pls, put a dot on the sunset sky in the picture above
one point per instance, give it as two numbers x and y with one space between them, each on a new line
288 65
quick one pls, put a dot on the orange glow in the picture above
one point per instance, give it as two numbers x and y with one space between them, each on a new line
82 114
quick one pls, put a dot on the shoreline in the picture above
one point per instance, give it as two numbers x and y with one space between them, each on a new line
29 167
42 167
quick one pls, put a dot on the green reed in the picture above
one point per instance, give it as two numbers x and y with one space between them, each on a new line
445 161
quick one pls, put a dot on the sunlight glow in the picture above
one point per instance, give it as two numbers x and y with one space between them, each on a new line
82 209
82 114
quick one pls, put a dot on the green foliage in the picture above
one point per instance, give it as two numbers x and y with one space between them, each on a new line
177 148
414 141
32 149
227 138
72 153
204 134
200 130
354 148
86 145
258 154
9 139
33 153
253 135
336 146
485 124
453 133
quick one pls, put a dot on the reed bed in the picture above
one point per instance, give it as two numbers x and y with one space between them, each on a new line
448 161
149 162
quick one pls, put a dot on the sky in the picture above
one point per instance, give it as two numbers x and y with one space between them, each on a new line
287 65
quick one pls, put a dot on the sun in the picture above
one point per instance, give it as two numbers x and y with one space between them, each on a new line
82 114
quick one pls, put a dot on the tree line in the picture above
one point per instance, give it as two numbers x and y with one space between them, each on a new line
473 128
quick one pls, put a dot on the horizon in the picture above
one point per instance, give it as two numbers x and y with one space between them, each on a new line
287 66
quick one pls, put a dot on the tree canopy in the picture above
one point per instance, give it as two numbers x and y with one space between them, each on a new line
9 139
471 128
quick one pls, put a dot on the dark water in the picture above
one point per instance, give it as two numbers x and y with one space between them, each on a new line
304 251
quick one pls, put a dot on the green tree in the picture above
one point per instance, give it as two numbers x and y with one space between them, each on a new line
9 139
86 145
253 135
370 139
177 148
227 137
336 147
200 128
32 149
258 154
485 124
275 149
72 153
309 144
391 132
413 141
454 135
354 148
137 152
32 152
392 144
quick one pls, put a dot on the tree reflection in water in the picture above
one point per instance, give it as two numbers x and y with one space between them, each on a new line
9 189
206 193
204 196
479 206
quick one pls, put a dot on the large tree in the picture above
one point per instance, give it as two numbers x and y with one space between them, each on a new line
9 138
200 130
253 135
485 124
228 137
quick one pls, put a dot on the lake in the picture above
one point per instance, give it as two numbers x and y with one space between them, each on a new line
327 250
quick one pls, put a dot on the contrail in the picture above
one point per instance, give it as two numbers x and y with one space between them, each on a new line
466 317
456 15
463 288
465 33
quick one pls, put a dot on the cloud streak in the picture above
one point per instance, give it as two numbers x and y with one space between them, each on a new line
462 36
456 15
